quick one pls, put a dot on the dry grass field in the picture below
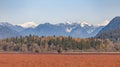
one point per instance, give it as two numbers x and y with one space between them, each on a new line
59 60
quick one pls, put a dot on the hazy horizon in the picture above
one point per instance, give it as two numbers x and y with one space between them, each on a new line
58 11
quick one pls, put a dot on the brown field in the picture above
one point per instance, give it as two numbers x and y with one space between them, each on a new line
59 60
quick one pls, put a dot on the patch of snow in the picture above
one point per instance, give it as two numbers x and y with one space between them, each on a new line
104 23
68 30
28 25
84 23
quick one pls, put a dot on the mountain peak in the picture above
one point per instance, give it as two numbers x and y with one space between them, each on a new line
116 19
82 24
115 22
28 25
5 24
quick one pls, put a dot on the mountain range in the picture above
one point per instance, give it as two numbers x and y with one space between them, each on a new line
81 30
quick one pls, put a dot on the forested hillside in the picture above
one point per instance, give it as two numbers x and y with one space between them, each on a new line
111 31
35 44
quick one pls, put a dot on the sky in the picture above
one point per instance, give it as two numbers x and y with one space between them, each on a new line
57 11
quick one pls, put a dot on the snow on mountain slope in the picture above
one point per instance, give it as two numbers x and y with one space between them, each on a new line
82 24
68 30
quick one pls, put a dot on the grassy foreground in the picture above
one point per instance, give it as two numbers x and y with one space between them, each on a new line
59 60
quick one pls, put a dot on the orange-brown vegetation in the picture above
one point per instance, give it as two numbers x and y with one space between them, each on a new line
59 60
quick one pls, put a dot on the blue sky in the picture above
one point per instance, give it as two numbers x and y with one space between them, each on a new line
56 11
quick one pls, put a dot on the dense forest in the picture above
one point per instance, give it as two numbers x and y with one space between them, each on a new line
53 44
113 35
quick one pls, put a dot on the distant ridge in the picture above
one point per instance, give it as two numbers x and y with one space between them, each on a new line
77 30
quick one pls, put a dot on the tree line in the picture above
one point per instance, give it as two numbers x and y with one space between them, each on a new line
43 44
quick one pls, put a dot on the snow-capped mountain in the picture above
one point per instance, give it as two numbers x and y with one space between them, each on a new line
82 30
74 29
28 25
